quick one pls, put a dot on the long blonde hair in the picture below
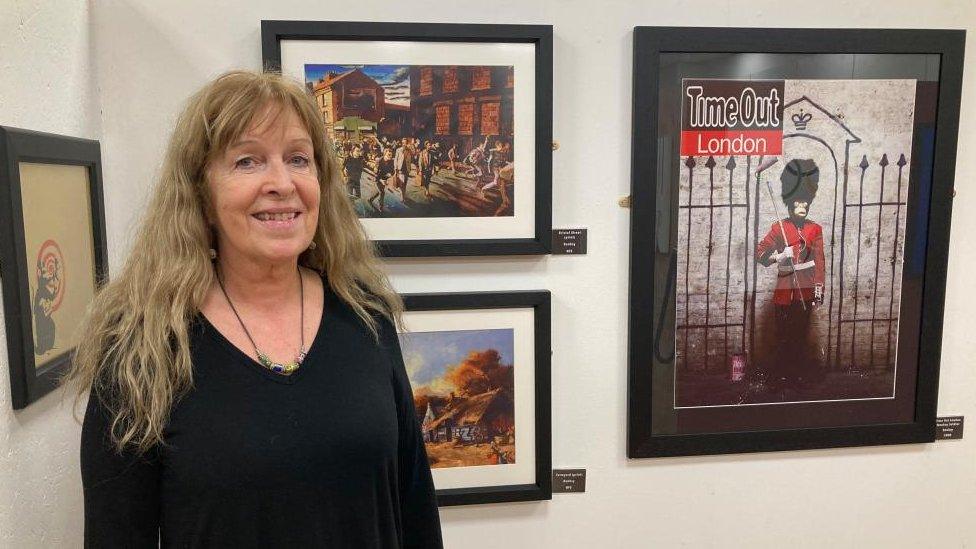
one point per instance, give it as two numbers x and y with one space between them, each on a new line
134 353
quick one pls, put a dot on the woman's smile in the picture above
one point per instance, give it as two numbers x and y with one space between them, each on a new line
278 220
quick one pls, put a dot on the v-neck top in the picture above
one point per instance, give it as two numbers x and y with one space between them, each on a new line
330 456
248 362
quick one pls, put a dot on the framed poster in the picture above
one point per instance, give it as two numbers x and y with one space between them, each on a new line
479 367
444 132
791 192
52 252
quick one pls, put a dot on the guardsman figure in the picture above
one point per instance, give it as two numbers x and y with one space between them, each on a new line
799 264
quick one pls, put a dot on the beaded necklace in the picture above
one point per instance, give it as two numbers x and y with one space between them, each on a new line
277 367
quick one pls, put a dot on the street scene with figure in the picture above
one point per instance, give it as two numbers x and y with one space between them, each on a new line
420 141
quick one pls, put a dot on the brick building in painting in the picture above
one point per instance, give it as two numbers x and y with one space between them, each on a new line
462 104
354 105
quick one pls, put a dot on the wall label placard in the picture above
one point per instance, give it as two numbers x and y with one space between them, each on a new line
569 241
948 427
568 480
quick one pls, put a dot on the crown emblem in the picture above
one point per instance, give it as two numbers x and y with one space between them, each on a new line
800 120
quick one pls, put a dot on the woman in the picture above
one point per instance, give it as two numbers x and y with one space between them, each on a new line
247 387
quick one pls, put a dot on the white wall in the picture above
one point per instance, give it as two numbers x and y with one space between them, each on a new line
148 59
47 83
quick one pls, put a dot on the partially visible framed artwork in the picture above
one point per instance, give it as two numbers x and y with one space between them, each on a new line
443 131
479 367
791 200
52 252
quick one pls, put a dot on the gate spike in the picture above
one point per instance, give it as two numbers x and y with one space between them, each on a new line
690 162
864 162
884 160
901 161
710 163
730 165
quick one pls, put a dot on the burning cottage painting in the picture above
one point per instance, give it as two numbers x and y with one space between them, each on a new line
792 211
421 141
463 388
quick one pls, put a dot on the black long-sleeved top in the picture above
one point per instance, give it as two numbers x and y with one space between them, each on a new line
330 456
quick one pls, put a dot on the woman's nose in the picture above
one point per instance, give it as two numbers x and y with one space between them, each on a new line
278 178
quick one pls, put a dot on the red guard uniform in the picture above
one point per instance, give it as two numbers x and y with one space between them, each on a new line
808 260
792 354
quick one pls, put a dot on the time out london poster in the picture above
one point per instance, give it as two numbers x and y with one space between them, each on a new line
791 231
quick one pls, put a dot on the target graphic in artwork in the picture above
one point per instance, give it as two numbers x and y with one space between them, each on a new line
58 244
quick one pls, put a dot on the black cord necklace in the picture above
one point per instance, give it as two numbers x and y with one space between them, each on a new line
277 367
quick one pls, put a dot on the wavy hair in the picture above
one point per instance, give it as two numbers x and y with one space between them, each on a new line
134 350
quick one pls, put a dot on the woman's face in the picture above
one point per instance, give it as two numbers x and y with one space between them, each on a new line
265 190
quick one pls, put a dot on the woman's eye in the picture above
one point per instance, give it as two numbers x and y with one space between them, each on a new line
245 163
299 161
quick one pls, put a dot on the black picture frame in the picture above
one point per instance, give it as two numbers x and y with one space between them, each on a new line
652 255
28 383
539 301
273 32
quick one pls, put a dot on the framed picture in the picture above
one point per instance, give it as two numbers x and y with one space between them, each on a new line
52 252
443 131
791 194
479 367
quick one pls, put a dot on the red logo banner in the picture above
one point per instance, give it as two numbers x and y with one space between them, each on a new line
731 142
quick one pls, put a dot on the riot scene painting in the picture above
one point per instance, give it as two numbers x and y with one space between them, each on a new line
791 240
463 386
421 141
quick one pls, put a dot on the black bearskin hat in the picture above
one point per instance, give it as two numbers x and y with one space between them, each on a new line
799 179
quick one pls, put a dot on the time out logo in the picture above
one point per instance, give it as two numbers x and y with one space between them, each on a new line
729 117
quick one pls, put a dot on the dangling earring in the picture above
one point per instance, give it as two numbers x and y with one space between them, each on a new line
213 254
312 245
